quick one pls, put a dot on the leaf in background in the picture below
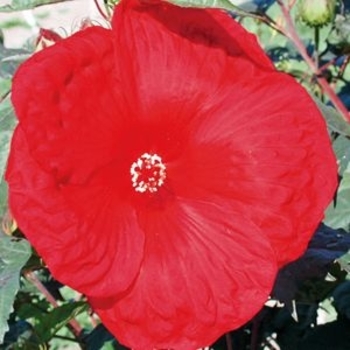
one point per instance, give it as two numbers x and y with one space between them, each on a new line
339 215
13 255
339 38
341 297
334 120
10 59
237 6
261 5
331 336
341 147
20 336
344 262
223 4
3 198
7 125
324 249
48 325
344 95
5 87
100 338
18 5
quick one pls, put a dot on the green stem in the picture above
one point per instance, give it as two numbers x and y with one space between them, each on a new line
317 45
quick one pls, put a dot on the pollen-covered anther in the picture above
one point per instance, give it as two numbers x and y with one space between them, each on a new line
148 173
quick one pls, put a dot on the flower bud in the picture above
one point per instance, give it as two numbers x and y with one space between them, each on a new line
316 13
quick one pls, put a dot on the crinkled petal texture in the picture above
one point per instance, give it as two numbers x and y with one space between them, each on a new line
203 274
249 171
239 129
66 101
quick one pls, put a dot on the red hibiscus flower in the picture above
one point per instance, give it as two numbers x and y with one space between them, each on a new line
165 169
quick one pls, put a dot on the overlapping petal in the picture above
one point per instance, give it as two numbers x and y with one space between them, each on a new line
203 274
69 120
227 127
68 101
171 58
258 149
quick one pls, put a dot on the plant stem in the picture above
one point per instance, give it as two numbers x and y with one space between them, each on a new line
3 97
99 9
255 334
228 341
31 276
317 45
57 336
292 34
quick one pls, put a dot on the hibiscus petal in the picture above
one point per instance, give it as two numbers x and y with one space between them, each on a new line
98 255
170 57
67 99
227 104
256 147
203 274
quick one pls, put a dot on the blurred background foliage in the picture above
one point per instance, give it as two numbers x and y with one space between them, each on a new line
310 304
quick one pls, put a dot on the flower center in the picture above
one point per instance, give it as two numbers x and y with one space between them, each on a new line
148 173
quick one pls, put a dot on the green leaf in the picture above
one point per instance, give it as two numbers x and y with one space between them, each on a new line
7 125
108 346
19 5
101 338
339 216
344 262
3 197
5 87
13 255
341 297
341 147
334 120
10 60
228 5
339 38
9 64
49 324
